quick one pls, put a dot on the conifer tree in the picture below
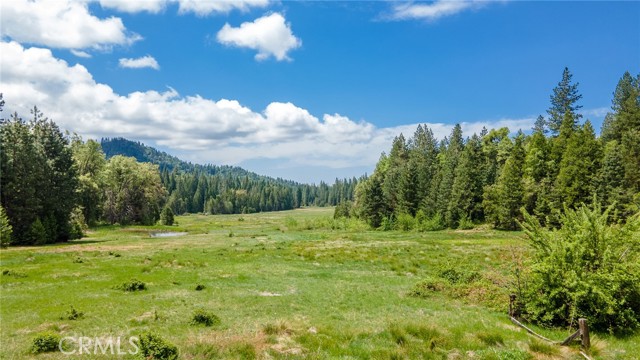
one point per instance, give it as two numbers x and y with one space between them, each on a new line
466 193
563 100
504 199
580 163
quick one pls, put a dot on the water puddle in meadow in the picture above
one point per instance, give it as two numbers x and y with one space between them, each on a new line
166 234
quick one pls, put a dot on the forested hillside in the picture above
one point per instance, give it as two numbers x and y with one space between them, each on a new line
490 177
195 188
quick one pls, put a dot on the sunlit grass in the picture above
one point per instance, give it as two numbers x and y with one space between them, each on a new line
293 284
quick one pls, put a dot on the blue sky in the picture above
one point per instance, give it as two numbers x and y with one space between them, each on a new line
306 90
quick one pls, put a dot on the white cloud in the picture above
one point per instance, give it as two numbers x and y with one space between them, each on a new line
135 6
196 128
139 63
81 54
596 112
434 10
270 35
61 24
206 7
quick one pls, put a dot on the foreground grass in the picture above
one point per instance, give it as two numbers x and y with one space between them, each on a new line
282 285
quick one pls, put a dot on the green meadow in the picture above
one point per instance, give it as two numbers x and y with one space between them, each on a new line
284 285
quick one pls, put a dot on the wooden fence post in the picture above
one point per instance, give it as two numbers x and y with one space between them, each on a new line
512 300
584 333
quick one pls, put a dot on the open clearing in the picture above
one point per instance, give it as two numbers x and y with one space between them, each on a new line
294 285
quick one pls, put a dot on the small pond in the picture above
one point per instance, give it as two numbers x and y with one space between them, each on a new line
166 234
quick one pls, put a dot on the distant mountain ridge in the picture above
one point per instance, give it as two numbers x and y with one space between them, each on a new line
145 153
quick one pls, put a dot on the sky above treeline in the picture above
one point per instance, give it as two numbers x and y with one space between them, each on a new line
307 91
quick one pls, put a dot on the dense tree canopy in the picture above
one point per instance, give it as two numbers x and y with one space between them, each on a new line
39 179
489 177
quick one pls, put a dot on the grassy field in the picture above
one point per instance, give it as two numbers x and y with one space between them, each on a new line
286 285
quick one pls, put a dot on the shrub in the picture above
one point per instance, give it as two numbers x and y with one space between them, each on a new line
200 287
465 224
426 287
455 276
202 317
77 224
45 342
434 223
343 210
72 314
167 216
132 285
405 222
37 233
386 224
584 269
154 347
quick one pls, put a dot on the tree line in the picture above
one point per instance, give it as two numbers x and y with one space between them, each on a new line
54 185
489 177
214 189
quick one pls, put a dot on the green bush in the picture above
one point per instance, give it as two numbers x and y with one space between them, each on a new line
45 342
586 269
132 285
72 314
405 222
465 224
154 347
38 234
202 317
386 224
77 224
343 210
167 216
426 287
435 223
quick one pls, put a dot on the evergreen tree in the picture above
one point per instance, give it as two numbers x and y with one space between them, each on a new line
57 188
563 100
580 164
166 216
536 175
423 158
5 227
448 161
466 194
503 200
610 180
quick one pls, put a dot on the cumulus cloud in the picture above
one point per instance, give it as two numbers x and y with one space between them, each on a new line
270 35
135 6
196 128
140 63
206 7
434 10
63 24
80 53
197 7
